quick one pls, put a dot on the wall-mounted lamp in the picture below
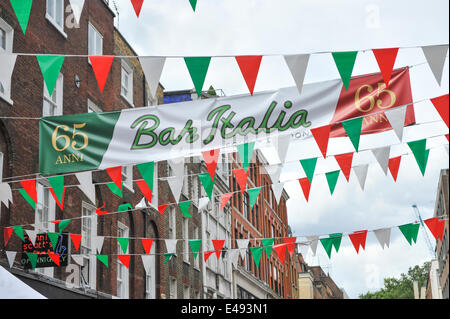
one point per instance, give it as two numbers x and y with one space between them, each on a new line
77 81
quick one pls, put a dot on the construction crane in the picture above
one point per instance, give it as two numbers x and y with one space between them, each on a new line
430 246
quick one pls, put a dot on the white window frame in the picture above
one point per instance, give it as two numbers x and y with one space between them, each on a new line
97 36
51 16
185 236
172 222
127 177
93 108
9 38
172 288
56 100
1 166
128 96
150 277
122 232
185 188
186 292
87 244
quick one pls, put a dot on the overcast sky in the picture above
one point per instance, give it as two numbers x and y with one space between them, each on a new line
280 27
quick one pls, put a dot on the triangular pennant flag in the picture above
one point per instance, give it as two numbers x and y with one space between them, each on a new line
274 171
86 185
18 230
167 257
137 5
420 153
345 163
361 174
79 259
241 178
207 254
306 187
281 146
394 166
5 194
63 224
11 255
256 253
267 243
198 68
441 104
98 243
436 56
57 189
152 67
410 231
125 260
50 67
115 173
336 240
125 208
345 61
7 232
145 190
242 246
322 136
53 237
7 64
253 196
202 203
22 9
195 247
171 245
147 261
177 166
309 166
100 212
358 239
233 256
54 257
33 259
327 244
313 240
147 244
382 156
218 246
249 66
30 188
332 178
436 227
115 190
396 118
76 240
277 191
290 241
27 198
245 154
383 236
280 249
77 9
224 199
297 65
184 206
353 129
386 61
193 4
147 172
211 157
303 248
208 184
101 64
103 259
162 208
31 235
176 186
123 242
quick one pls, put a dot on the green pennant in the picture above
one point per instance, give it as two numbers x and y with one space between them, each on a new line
18 230
353 129
27 197
410 231
184 206
103 259
54 237
420 153
337 238
245 154
256 253
267 244
115 190
198 67
57 184
50 67
327 244
195 247
63 224
253 196
207 183
345 61
123 242
332 178
147 170
309 166
33 259
124 207
22 9
167 257
193 4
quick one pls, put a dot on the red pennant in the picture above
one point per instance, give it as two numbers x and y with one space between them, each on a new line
241 178
146 191
54 257
442 106
345 163
249 66
61 205
56 222
101 64
115 173
306 187
76 240
322 136
394 166
125 260
386 60
137 5
7 232
290 241
162 208
281 251
436 227
218 246
207 254
224 200
30 187
211 158
147 243
446 136
358 239
99 211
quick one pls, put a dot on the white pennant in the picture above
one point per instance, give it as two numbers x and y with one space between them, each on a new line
142 203
203 202
281 145
396 118
303 248
361 173
171 245
98 243
233 255
297 65
277 191
274 172
32 235
5 194
78 259
314 240
382 156
383 236
436 56
153 68
77 8
176 185
7 63
86 186
11 255
147 261
242 245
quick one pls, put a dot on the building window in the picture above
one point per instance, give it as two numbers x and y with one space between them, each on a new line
1 167
55 14
45 209
127 83
95 41
6 46
53 105
186 294
173 288
150 277
88 231
197 260
122 271
127 176
185 236
246 206
172 223
93 108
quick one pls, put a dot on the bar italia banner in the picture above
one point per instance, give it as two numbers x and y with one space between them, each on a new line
91 141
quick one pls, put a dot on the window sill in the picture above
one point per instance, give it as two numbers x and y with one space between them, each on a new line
57 27
6 99
127 100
